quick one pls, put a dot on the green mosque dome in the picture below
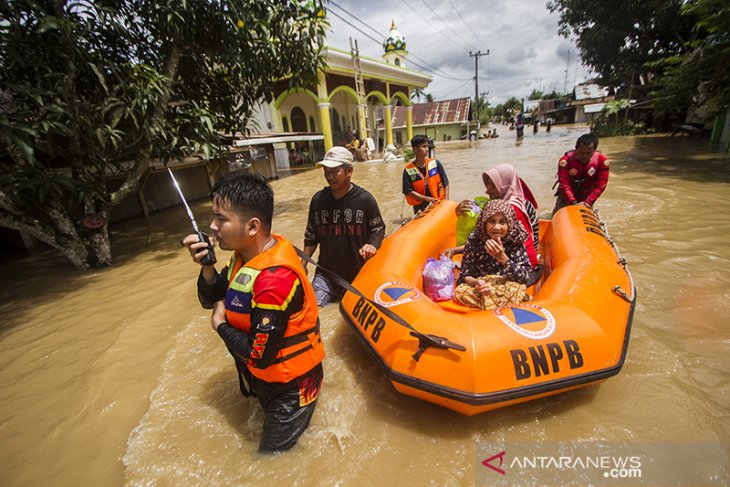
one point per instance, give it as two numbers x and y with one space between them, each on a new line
395 41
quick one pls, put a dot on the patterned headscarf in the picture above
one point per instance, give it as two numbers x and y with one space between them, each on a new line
507 182
477 261
516 233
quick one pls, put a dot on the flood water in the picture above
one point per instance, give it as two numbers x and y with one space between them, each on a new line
114 376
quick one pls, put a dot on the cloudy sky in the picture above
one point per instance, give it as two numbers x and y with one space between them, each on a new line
526 52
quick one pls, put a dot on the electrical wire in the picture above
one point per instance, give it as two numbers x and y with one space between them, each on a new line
446 97
467 24
466 43
434 27
433 70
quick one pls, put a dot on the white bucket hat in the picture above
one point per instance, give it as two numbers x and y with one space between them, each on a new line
335 157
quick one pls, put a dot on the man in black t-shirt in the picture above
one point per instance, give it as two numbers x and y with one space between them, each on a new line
345 222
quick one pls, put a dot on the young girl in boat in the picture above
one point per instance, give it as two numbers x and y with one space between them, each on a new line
495 266
503 183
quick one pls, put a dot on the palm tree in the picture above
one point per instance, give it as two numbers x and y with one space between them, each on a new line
417 93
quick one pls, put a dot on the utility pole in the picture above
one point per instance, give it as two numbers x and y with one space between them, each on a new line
567 63
476 56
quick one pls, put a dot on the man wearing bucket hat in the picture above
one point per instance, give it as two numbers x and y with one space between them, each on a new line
345 222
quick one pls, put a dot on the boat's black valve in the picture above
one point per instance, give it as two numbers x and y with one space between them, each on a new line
426 340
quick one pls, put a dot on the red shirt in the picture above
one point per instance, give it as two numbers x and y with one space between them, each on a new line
582 182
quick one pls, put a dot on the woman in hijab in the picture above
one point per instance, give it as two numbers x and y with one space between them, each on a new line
495 268
503 183
496 246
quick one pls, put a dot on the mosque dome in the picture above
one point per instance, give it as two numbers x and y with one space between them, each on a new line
395 41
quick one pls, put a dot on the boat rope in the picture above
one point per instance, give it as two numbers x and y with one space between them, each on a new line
425 340
621 261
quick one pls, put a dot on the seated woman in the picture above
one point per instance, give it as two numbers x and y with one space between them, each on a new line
503 183
495 248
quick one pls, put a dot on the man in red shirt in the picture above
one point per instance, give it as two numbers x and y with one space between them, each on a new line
582 174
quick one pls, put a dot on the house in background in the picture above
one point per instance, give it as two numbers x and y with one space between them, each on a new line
587 101
440 120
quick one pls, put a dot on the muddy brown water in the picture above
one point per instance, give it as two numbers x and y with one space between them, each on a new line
114 376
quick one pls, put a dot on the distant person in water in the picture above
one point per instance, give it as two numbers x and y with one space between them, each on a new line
582 174
520 125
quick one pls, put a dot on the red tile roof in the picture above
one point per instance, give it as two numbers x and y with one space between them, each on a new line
437 112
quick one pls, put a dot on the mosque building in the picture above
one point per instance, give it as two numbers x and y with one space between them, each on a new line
354 96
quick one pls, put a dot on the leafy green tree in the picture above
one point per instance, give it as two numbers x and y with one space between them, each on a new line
618 39
504 110
95 88
536 95
485 112
701 76
553 95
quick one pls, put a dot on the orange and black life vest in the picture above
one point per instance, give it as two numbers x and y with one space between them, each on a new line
433 180
302 348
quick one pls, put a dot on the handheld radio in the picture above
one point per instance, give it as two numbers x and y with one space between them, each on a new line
209 258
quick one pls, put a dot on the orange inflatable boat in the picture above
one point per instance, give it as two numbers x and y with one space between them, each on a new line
574 332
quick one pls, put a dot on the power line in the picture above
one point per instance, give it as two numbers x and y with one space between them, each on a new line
356 18
413 55
434 27
466 43
433 70
446 97
466 23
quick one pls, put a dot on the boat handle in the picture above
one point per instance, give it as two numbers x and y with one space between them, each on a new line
620 292
426 340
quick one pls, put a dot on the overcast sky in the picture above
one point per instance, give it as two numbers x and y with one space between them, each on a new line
526 52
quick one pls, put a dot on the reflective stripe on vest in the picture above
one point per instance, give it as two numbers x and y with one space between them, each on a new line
435 185
302 347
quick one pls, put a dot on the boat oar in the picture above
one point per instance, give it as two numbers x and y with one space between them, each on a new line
425 340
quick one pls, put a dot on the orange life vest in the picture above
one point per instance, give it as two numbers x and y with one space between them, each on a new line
433 179
302 348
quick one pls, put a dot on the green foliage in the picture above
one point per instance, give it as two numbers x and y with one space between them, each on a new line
95 88
610 122
618 39
504 110
485 111
700 76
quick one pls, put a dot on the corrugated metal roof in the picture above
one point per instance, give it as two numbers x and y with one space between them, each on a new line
437 112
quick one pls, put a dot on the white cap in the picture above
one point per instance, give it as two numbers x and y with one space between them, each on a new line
335 157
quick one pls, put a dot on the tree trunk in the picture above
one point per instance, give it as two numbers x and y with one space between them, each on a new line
628 98
100 245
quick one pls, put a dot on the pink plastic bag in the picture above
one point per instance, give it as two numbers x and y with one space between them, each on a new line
438 278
